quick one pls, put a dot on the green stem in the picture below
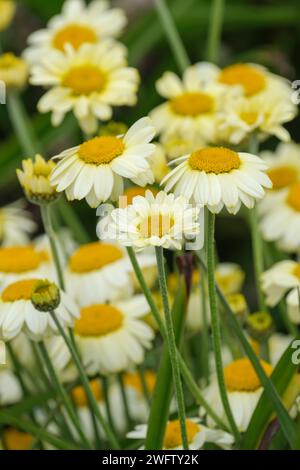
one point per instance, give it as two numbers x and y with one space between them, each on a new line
124 400
215 322
71 219
144 384
70 343
63 395
171 342
172 35
105 387
20 122
46 217
204 337
258 259
215 30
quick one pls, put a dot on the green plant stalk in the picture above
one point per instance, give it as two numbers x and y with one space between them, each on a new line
215 30
124 400
204 338
171 342
144 384
257 249
283 416
107 403
215 322
84 380
191 384
172 35
71 219
63 395
47 222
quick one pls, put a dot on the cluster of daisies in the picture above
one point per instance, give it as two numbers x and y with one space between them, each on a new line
52 288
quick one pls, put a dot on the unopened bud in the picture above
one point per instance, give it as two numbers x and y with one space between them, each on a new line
45 296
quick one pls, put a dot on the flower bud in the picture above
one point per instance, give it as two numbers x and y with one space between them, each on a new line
259 326
45 296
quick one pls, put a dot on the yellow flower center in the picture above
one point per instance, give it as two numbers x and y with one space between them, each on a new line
192 104
133 380
8 61
84 79
172 436
251 79
98 320
296 271
214 160
101 150
156 225
94 256
17 440
20 259
249 117
74 34
240 375
283 176
134 191
20 290
293 197
79 396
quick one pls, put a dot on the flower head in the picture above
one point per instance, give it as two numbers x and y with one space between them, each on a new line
95 170
35 180
89 81
217 177
16 224
7 11
13 71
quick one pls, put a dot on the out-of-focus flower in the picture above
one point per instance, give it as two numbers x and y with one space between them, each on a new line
137 401
159 163
161 220
10 389
95 170
16 224
192 106
243 390
280 218
105 265
77 24
18 313
113 337
14 439
277 344
7 11
13 71
259 326
230 277
179 143
113 128
34 179
216 177
238 305
197 435
89 81
282 278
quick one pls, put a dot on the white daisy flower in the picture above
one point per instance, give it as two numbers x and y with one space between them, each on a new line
243 390
280 218
161 220
217 177
277 344
10 389
180 143
100 272
135 393
192 106
281 279
77 24
88 81
16 224
197 434
18 311
95 170
21 262
113 337
284 165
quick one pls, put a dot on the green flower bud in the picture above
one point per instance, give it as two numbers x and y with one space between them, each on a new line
259 326
45 296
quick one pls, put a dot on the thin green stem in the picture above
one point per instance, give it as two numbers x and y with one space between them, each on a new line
63 395
71 219
106 394
144 384
258 259
124 400
204 338
46 217
215 30
171 342
172 35
70 343
215 322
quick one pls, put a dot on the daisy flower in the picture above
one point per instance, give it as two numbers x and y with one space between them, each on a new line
137 403
161 220
191 107
284 165
88 81
198 435
10 389
113 337
77 24
100 272
16 224
13 71
19 312
180 143
217 177
20 262
277 344
243 390
7 11
280 218
95 170
281 279
229 277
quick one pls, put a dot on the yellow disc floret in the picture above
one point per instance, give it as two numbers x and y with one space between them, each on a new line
20 290
101 150
130 193
250 78
98 320
74 34
84 79
172 438
93 256
293 197
192 104
17 440
19 259
240 375
283 176
79 396
133 380
214 160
